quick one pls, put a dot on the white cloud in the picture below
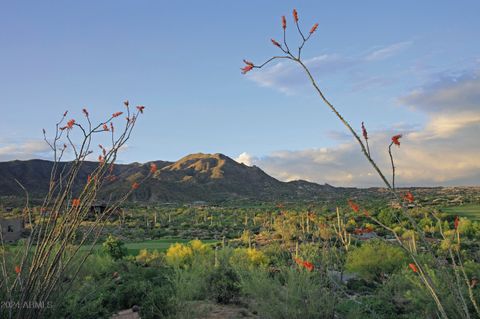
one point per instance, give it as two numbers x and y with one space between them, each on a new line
445 151
449 94
288 77
22 151
388 51
245 158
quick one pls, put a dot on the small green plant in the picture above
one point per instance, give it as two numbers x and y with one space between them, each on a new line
114 247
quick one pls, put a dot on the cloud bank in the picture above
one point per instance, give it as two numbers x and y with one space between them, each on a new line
445 151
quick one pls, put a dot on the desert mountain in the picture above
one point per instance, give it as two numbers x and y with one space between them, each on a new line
196 177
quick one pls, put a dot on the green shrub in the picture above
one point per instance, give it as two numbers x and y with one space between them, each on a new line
224 284
291 294
114 247
375 259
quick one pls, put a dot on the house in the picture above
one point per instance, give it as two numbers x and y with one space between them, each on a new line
11 229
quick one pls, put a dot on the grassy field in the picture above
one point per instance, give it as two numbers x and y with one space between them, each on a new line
158 244
470 211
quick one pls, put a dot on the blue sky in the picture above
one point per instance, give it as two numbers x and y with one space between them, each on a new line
182 61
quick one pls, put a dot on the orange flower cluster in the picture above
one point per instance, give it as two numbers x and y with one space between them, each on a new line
117 114
284 22
396 138
305 264
413 267
295 15
354 206
275 43
409 197
105 127
248 67
364 132
17 269
135 185
314 28
70 124
456 222
141 108
75 202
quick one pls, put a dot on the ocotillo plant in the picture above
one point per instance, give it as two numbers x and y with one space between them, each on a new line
456 283
52 255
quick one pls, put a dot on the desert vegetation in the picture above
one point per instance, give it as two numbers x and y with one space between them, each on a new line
384 253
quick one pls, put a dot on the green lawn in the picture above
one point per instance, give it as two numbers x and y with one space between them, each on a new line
470 211
159 244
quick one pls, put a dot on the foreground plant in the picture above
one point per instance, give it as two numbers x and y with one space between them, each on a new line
55 251
457 284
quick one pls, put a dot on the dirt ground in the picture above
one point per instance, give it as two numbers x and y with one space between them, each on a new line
210 310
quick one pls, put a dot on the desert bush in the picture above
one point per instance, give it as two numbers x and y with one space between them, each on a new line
224 284
106 286
114 247
249 258
375 260
147 258
290 294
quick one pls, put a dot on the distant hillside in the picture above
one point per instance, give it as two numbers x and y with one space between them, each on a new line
206 177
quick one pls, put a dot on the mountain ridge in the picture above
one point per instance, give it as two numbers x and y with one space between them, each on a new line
198 176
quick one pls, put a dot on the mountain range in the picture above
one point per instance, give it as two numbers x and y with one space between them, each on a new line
196 177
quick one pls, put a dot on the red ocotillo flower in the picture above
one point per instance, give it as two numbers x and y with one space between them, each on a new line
354 206
101 159
409 197
295 15
284 22
308 266
126 103
314 28
75 202
364 132
85 112
396 138
366 213
18 269
153 168
140 108
456 222
275 43
105 127
135 185
117 114
70 123
246 68
413 267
